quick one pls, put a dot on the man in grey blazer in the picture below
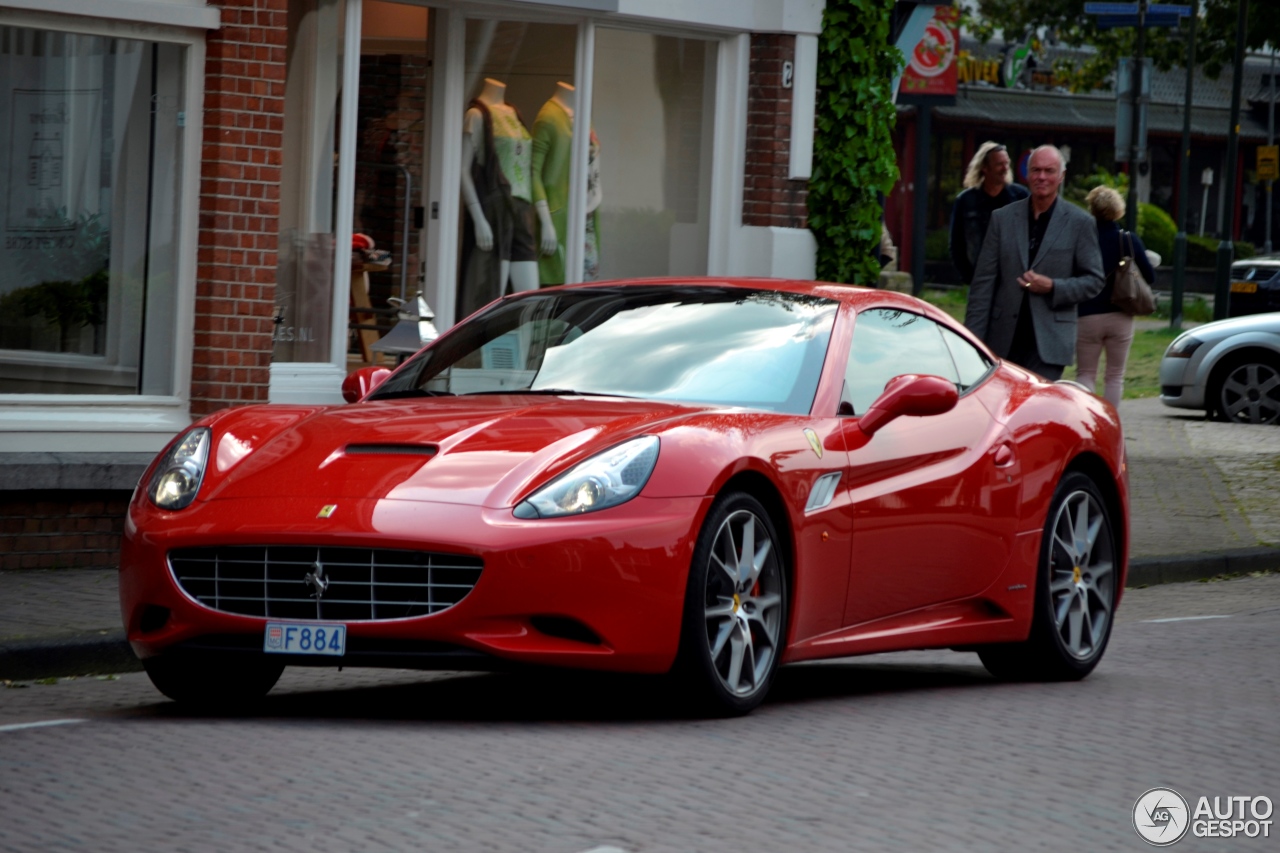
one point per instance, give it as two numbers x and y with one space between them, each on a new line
1039 260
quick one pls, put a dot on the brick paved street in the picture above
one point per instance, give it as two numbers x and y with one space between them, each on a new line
918 751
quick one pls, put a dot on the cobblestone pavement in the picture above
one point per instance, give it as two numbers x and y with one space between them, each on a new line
1199 485
916 751
41 602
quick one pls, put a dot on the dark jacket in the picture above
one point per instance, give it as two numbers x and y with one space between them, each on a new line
1113 242
970 217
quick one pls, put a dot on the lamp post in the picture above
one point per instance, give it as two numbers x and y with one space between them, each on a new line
1226 249
1184 181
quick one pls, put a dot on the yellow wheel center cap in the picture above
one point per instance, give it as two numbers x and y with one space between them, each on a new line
1075 574
737 602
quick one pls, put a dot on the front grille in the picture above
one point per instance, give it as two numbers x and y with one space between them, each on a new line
280 582
1171 390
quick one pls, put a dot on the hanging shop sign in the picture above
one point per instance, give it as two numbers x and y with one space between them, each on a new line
931 68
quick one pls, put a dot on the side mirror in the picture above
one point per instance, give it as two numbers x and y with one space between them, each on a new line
909 394
360 382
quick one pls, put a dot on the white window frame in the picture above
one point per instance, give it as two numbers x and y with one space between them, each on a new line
126 423
732 250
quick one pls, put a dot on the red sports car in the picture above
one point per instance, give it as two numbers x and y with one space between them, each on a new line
705 477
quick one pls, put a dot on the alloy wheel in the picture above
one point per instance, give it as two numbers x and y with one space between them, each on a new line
743 603
1081 575
1250 393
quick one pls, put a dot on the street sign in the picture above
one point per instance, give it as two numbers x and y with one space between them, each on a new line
1116 15
1132 9
1269 162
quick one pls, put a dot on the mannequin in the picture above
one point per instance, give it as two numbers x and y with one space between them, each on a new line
552 141
493 128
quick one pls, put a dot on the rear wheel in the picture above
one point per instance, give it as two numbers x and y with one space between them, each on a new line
735 608
1247 390
1075 591
212 681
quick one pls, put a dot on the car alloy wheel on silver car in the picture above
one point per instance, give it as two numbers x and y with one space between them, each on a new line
1081 575
743 603
1250 393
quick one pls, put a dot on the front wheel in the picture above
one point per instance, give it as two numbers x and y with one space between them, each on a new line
211 681
1248 391
735 608
1075 591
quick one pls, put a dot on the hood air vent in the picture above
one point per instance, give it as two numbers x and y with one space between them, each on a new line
392 449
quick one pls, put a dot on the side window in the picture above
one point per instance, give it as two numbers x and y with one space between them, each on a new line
970 361
888 342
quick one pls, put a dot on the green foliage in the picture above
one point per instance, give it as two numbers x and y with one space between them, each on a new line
1202 252
1065 22
1195 309
937 245
1078 186
853 158
1157 230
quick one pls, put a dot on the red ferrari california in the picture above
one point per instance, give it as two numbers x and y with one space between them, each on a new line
703 477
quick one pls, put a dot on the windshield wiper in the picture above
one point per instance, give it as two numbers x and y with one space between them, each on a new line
409 392
551 392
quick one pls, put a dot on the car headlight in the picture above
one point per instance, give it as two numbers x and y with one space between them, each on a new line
607 479
1183 347
178 476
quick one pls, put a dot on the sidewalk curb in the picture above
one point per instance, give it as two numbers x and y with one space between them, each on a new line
91 652
101 652
1149 571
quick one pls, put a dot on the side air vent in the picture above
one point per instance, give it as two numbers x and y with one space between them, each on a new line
824 491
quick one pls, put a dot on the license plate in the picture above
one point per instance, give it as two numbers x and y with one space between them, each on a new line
1244 287
305 638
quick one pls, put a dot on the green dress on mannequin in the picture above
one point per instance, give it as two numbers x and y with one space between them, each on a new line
552 144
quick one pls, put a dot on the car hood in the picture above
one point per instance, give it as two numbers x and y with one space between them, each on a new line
482 451
1268 323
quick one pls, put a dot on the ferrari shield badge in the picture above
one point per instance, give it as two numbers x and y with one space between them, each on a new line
814 442
327 510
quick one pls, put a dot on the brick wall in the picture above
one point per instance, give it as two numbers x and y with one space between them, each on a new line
61 529
769 196
239 204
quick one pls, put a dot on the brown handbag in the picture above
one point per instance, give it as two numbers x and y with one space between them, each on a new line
1129 291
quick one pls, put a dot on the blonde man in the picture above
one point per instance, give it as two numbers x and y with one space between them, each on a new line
988 187
1103 326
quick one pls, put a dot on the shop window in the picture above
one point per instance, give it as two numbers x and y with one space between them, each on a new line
649 180
90 134
304 272
516 164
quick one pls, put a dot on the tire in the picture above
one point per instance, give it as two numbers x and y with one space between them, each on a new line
1246 390
211 681
735 609
1075 591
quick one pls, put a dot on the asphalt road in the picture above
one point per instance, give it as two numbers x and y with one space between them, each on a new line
915 751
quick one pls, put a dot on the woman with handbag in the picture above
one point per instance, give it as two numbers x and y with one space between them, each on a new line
1103 323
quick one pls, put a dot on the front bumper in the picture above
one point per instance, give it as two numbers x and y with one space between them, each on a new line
1178 387
619 573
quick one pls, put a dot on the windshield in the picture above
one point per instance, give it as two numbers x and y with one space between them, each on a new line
715 345
1254 272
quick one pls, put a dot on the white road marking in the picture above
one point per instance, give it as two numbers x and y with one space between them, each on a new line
605 849
38 725
1186 618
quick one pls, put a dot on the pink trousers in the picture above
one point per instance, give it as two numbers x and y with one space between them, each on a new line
1112 331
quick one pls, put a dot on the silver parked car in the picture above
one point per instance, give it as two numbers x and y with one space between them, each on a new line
1230 368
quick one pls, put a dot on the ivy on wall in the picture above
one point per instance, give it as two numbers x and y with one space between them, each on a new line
854 163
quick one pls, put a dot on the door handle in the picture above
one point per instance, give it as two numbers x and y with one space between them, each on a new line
1004 456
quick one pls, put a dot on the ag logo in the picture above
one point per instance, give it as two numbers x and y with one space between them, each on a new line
1161 817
